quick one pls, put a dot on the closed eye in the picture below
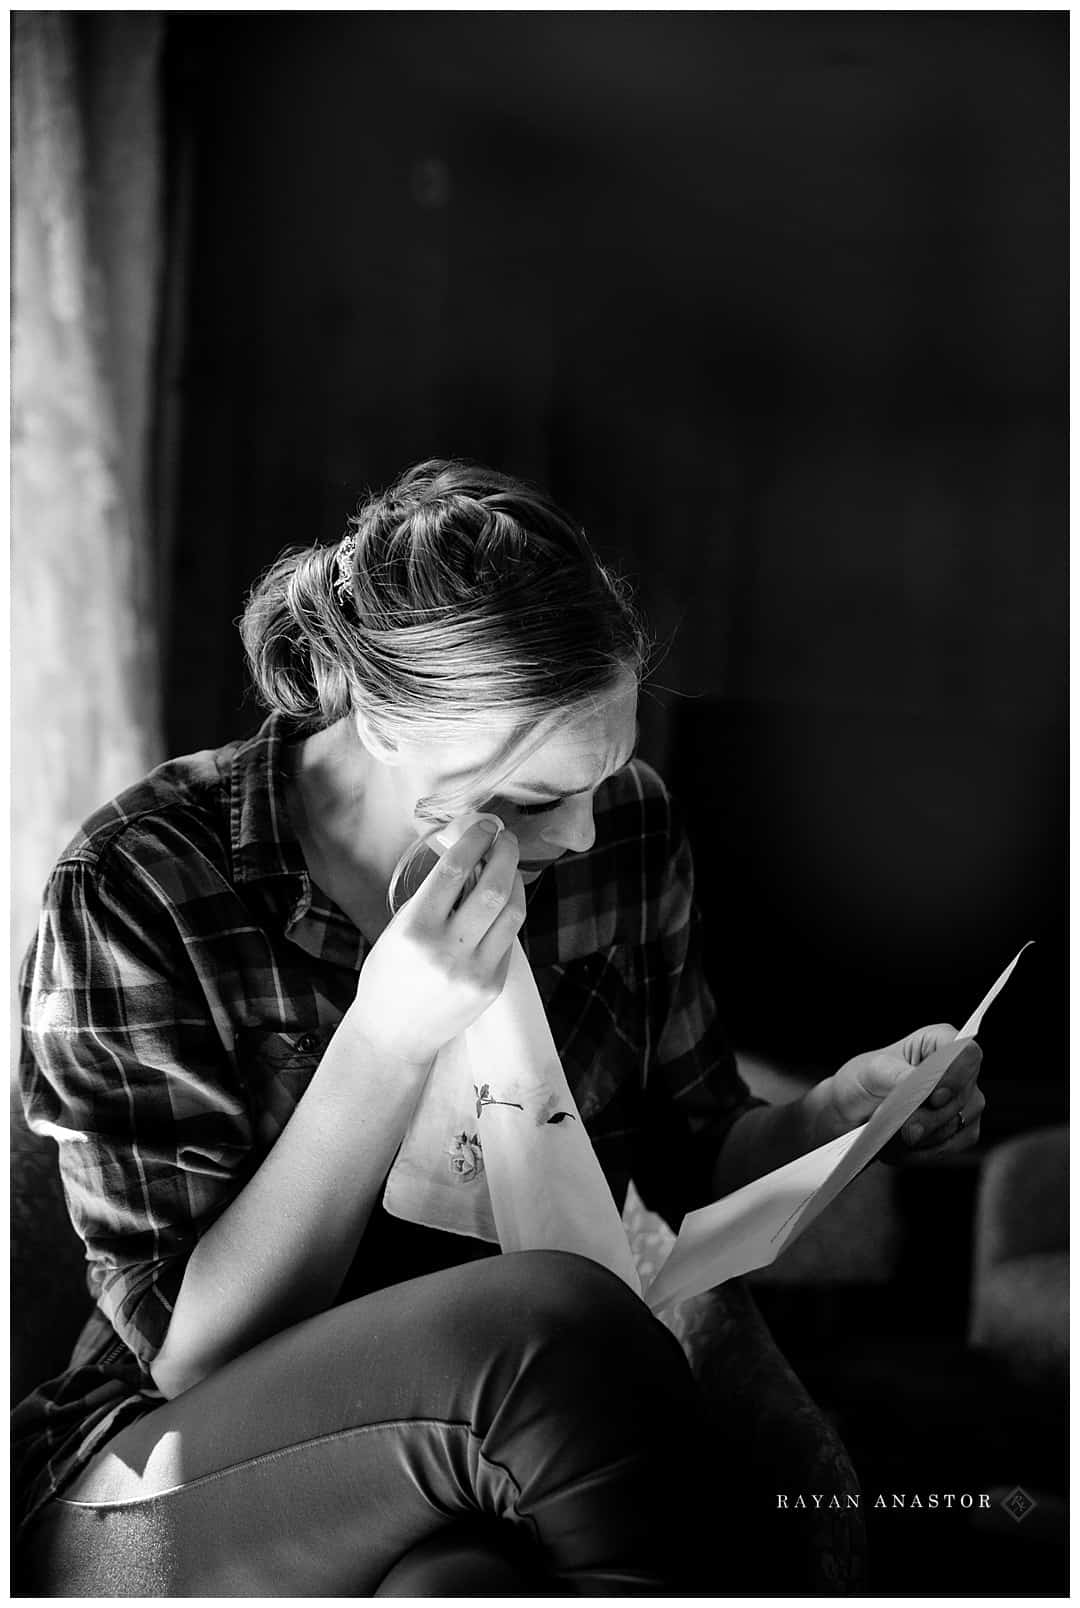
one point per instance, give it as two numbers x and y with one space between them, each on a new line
554 804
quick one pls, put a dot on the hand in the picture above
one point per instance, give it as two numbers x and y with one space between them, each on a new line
946 1122
444 957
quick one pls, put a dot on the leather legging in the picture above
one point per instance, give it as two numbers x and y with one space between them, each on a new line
526 1409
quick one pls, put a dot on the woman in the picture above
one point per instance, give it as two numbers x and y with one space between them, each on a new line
284 1389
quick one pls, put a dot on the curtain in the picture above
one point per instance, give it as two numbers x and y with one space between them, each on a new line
87 268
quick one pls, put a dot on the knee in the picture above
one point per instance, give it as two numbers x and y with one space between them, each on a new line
576 1310
578 1359
569 1291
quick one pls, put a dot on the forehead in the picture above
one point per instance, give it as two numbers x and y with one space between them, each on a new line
576 751
580 749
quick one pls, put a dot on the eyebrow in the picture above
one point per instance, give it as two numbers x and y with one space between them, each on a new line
546 791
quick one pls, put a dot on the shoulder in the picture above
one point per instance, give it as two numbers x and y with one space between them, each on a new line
641 847
635 799
177 814
145 871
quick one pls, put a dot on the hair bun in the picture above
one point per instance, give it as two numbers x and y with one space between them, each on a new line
292 641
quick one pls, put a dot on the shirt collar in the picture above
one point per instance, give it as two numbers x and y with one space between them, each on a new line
264 843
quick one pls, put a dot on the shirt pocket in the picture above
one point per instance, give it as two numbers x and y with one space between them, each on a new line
276 1065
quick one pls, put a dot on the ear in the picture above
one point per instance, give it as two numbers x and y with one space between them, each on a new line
378 747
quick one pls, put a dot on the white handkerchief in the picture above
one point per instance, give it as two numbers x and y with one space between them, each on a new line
496 1147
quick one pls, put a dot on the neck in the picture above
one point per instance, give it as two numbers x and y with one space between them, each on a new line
346 809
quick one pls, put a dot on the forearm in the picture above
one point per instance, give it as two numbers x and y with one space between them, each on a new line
766 1137
280 1249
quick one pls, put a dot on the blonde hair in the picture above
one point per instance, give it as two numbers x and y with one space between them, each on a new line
458 598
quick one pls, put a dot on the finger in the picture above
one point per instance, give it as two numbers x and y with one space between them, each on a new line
494 948
952 1144
930 1129
444 884
921 1044
958 1079
484 903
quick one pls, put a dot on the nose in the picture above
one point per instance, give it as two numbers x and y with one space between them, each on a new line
573 827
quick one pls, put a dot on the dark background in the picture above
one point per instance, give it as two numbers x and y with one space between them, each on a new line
776 303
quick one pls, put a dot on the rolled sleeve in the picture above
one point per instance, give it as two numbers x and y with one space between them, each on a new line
122 1064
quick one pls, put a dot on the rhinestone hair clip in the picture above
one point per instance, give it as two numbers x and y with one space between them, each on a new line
345 562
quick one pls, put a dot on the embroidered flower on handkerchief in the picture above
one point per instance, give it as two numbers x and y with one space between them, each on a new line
484 1097
466 1157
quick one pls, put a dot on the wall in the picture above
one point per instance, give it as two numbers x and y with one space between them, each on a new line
777 303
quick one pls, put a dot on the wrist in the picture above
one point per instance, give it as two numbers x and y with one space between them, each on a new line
369 1050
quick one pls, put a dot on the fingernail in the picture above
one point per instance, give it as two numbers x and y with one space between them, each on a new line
915 1133
491 825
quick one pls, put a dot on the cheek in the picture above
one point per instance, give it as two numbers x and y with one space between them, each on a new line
528 829
555 831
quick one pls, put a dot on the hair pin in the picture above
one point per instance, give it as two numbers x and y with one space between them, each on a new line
345 561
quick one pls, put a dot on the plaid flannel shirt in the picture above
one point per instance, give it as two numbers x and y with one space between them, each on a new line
185 979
